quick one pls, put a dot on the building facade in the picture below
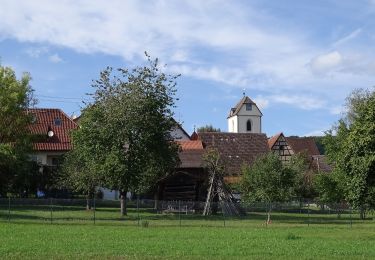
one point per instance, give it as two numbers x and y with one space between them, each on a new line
245 117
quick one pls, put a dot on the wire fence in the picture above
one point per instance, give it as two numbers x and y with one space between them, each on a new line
175 213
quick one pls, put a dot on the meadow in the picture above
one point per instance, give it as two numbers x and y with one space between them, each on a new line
71 233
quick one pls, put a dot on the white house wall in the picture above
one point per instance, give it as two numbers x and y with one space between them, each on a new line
45 158
178 134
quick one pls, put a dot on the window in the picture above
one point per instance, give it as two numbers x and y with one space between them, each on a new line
248 125
55 161
249 107
57 122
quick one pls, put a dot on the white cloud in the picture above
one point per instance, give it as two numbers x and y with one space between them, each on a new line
348 37
319 132
326 62
261 102
36 52
230 76
55 58
300 101
231 42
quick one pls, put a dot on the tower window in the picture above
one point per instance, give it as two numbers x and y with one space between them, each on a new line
248 125
249 107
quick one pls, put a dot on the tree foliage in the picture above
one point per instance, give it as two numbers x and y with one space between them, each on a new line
17 173
300 165
329 188
268 180
125 138
350 146
81 170
207 128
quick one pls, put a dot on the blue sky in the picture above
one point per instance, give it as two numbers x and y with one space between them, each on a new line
297 60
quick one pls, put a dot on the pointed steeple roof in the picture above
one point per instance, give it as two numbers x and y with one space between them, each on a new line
245 100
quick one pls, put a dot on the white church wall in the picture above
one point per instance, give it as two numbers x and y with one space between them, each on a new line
233 124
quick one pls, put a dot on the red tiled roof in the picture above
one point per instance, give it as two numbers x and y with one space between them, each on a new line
44 120
273 140
303 144
236 149
190 145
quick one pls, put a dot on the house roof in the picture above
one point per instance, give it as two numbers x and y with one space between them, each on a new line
190 145
191 154
245 100
44 120
273 140
303 144
236 149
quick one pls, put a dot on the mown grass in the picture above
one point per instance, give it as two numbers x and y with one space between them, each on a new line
71 233
65 241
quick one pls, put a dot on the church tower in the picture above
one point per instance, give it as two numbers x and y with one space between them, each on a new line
245 117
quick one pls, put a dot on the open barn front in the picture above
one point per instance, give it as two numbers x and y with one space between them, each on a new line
184 185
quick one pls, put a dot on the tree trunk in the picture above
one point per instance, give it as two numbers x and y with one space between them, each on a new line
362 213
156 197
88 204
123 210
269 214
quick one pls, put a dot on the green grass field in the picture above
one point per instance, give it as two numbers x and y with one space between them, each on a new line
30 234
77 241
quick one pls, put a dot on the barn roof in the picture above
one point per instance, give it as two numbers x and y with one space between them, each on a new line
45 119
190 145
236 149
191 153
303 144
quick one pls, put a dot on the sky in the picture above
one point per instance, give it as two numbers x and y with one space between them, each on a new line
298 60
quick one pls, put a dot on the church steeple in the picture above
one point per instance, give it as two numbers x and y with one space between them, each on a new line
245 117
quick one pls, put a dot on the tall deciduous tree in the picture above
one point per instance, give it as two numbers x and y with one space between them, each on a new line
133 147
80 170
352 150
16 172
268 180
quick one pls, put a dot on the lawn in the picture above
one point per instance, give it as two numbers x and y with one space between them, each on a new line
69 231
66 241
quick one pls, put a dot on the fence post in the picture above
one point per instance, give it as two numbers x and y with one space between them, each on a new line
138 209
94 210
50 206
179 211
308 214
351 221
9 209
222 210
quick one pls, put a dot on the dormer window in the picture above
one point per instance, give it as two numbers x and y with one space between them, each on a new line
57 122
249 107
248 125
